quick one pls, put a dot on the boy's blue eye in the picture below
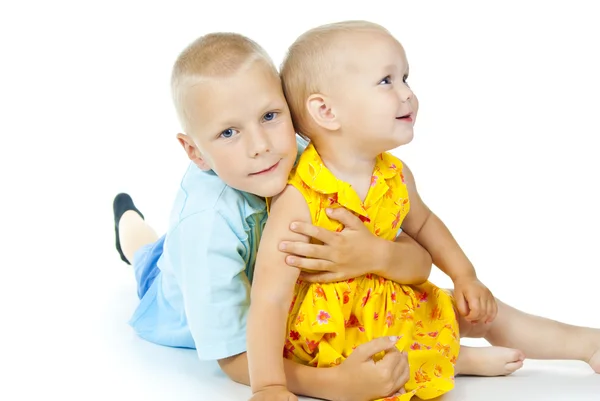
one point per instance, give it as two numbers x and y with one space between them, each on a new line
270 116
228 133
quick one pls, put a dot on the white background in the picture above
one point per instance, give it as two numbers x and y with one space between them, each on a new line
505 153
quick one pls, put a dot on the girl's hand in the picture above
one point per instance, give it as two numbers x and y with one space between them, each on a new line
474 300
343 255
274 393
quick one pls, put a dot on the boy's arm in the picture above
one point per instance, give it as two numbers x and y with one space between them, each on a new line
356 251
474 300
301 379
358 378
271 294
404 260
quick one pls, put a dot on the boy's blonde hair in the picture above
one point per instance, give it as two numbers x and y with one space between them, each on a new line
309 62
215 55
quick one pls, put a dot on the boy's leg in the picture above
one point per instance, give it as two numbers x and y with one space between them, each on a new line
537 337
131 230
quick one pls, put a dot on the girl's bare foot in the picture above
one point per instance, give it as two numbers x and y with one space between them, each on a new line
491 361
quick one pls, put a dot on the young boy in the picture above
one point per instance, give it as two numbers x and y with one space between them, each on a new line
194 282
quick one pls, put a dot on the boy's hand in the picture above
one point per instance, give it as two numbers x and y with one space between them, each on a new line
360 378
342 256
274 393
474 300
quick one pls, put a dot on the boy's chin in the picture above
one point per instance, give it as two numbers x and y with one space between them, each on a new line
268 189
272 190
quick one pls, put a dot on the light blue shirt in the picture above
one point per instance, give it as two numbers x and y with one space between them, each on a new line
201 296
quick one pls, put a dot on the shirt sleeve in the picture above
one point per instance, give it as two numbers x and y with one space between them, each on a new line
207 261
301 145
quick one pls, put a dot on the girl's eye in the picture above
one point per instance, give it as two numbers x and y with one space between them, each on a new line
270 116
386 81
228 133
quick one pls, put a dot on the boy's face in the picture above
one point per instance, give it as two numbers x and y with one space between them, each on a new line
242 130
370 96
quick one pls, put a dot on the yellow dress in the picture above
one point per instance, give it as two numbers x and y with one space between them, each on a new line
327 321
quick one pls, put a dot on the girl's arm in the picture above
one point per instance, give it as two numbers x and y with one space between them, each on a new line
474 300
429 231
271 293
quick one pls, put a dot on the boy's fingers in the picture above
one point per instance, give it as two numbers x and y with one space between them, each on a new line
344 216
328 277
322 234
304 249
309 264
367 350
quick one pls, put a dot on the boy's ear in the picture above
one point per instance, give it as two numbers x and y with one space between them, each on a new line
322 113
192 151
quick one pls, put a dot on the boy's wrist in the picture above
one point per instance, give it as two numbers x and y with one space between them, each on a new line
382 255
334 383
321 383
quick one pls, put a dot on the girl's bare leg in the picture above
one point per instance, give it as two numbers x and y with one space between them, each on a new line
537 337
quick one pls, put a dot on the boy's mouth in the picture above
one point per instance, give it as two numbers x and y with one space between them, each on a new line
267 170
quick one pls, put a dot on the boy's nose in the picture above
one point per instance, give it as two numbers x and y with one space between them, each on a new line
259 143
